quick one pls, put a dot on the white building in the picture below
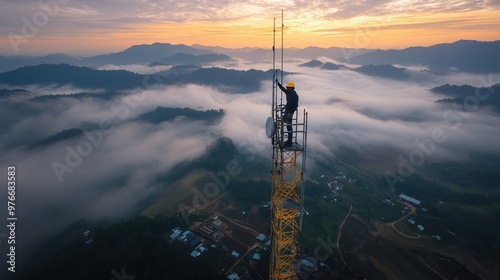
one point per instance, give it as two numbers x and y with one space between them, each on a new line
410 199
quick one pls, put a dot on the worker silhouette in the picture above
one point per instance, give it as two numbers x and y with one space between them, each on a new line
292 102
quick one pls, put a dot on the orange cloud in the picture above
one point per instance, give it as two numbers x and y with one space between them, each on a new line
107 27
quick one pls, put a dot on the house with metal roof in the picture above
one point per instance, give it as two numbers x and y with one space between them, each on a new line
409 199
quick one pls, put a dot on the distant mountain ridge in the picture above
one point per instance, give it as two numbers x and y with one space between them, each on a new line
153 54
138 54
480 96
141 54
461 56
12 63
338 53
230 80
63 135
161 114
64 74
313 64
226 80
186 58
383 71
5 93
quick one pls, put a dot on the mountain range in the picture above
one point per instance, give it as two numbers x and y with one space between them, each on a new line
64 74
187 58
227 80
461 56
138 54
469 97
161 114
383 71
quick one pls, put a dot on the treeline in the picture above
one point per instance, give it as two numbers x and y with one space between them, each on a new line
4 93
63 135
384 71
161 114
251 192
108 95
64 74
227 80
467 95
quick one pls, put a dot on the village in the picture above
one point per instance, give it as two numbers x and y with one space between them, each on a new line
241 254
413 223
242 237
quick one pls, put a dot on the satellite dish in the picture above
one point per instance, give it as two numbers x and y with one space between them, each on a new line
269 127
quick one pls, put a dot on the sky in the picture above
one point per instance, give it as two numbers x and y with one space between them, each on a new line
93 27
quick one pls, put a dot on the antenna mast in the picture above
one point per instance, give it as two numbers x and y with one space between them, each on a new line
282 45
287 183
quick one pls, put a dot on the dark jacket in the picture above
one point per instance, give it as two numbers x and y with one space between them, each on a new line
292 99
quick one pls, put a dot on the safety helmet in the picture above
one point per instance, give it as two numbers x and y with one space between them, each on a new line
290 85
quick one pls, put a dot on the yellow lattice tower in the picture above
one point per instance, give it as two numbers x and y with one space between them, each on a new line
284 206
286 198
287 187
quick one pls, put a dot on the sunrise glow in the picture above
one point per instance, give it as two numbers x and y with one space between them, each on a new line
80 28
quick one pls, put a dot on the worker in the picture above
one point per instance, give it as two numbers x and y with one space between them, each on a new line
292 102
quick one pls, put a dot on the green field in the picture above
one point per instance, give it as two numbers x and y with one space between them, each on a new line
462 199
177 194
323 220
405 227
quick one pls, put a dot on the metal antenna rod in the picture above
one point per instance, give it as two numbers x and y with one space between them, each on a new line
282 45
274 67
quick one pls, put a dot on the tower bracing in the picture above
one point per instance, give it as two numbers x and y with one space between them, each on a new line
287 186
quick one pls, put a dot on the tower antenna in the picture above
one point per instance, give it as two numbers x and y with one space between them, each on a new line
287 182
282 45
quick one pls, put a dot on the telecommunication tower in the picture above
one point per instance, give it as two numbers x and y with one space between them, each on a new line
287 186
